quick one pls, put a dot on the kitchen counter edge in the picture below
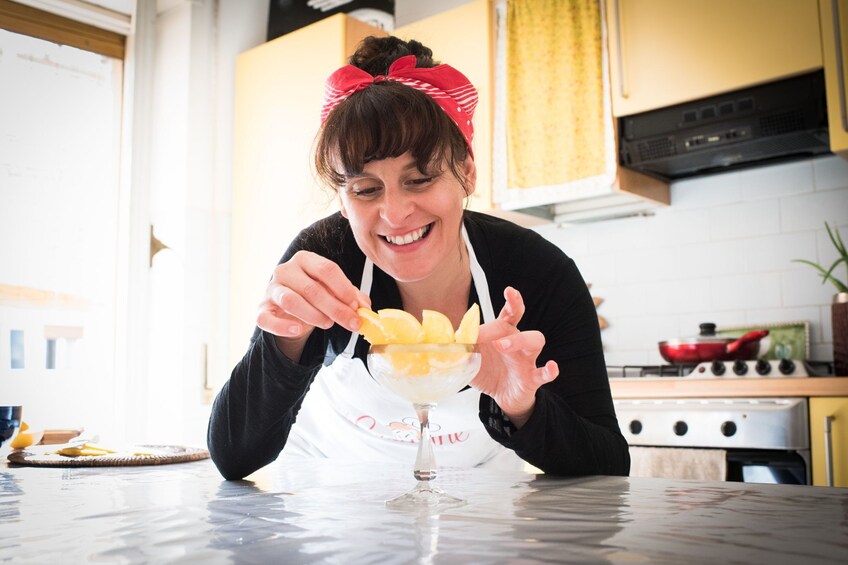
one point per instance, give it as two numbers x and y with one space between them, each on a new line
686 387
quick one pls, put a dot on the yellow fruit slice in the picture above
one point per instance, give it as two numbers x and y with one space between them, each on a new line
469 326
23 439
400 326
437 327
372 327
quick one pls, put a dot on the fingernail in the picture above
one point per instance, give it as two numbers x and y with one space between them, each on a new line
504 343
355 323
354 305
294 329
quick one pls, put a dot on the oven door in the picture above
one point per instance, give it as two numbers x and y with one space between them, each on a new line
767 466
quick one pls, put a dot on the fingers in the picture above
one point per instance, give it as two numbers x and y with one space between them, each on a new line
526 346
513 309
309 291
528 342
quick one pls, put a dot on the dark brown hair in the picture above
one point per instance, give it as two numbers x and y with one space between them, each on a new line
387 119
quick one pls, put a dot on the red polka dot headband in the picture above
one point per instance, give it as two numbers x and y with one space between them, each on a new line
451 90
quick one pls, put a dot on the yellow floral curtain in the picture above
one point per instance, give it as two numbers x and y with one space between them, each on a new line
554 92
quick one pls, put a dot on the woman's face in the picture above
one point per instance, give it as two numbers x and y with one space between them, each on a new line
406 222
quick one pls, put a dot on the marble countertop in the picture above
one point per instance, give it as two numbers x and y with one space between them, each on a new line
320 511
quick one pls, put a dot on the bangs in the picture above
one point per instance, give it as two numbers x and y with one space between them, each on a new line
386 120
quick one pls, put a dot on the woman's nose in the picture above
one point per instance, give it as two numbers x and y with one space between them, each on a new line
396 206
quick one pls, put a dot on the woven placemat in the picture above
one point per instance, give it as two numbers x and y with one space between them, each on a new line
159 455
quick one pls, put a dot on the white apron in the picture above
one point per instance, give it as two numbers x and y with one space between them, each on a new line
348 415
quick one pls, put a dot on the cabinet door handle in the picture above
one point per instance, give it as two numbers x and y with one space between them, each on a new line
828 450
622 68
840 69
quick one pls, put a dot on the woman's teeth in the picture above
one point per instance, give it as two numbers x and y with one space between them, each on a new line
408 238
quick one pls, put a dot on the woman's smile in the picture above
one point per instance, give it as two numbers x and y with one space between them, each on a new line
405 220
402 240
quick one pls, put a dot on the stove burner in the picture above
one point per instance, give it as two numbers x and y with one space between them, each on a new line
760 368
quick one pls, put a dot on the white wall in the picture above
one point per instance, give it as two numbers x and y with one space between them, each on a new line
721 253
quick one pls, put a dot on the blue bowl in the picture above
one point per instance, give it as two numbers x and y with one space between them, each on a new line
10 421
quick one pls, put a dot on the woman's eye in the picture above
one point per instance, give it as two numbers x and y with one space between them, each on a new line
420 182
364 192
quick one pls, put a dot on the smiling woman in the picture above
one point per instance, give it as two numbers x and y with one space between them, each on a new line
396 145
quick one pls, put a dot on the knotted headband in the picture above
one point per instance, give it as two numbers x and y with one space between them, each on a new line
451 90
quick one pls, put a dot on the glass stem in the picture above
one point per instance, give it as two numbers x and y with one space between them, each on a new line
425 461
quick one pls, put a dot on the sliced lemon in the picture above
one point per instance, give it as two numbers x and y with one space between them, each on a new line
409 364
469 326
400 326
372 327
437 327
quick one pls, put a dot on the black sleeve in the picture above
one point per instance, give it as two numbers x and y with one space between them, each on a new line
253 414
573 429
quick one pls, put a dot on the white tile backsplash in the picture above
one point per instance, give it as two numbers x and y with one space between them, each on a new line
777 253
830 173
741 292
745 219
811 211
778 180
722 252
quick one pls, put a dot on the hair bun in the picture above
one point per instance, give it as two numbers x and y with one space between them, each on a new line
375 55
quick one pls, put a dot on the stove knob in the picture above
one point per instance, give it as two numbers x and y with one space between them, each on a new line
717 368
786 366
740 367
635 427
728 428
680 428
763 367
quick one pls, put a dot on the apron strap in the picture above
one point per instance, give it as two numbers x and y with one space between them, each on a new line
480 282
365 287
481 285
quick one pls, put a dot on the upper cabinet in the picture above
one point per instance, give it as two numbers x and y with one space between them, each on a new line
834 41
462 38
664 52
278 93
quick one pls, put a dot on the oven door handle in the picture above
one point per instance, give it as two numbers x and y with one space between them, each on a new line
828 450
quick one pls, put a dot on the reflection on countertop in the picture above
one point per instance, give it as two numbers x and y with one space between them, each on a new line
310 511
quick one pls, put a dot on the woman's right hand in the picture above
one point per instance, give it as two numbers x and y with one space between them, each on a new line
306 292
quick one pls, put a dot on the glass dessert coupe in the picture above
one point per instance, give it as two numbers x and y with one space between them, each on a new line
424 374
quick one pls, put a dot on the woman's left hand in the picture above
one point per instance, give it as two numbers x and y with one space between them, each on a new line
509 373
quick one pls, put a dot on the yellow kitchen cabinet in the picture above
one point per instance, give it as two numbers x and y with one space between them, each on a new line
278 94
463 38
664 52
836 410
834 39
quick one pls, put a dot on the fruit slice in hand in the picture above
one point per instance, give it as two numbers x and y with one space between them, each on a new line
372 327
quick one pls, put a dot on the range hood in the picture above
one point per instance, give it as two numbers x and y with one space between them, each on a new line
765 124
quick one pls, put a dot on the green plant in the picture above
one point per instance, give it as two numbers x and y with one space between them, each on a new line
827 274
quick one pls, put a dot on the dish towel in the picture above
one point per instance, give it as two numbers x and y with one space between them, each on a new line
557 126
678 463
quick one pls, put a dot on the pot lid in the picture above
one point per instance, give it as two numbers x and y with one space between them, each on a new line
707 335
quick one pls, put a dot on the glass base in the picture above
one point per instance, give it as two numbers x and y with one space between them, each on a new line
425 496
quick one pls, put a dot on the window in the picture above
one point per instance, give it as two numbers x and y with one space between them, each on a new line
60 139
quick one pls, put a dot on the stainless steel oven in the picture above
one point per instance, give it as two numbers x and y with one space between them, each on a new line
764 440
